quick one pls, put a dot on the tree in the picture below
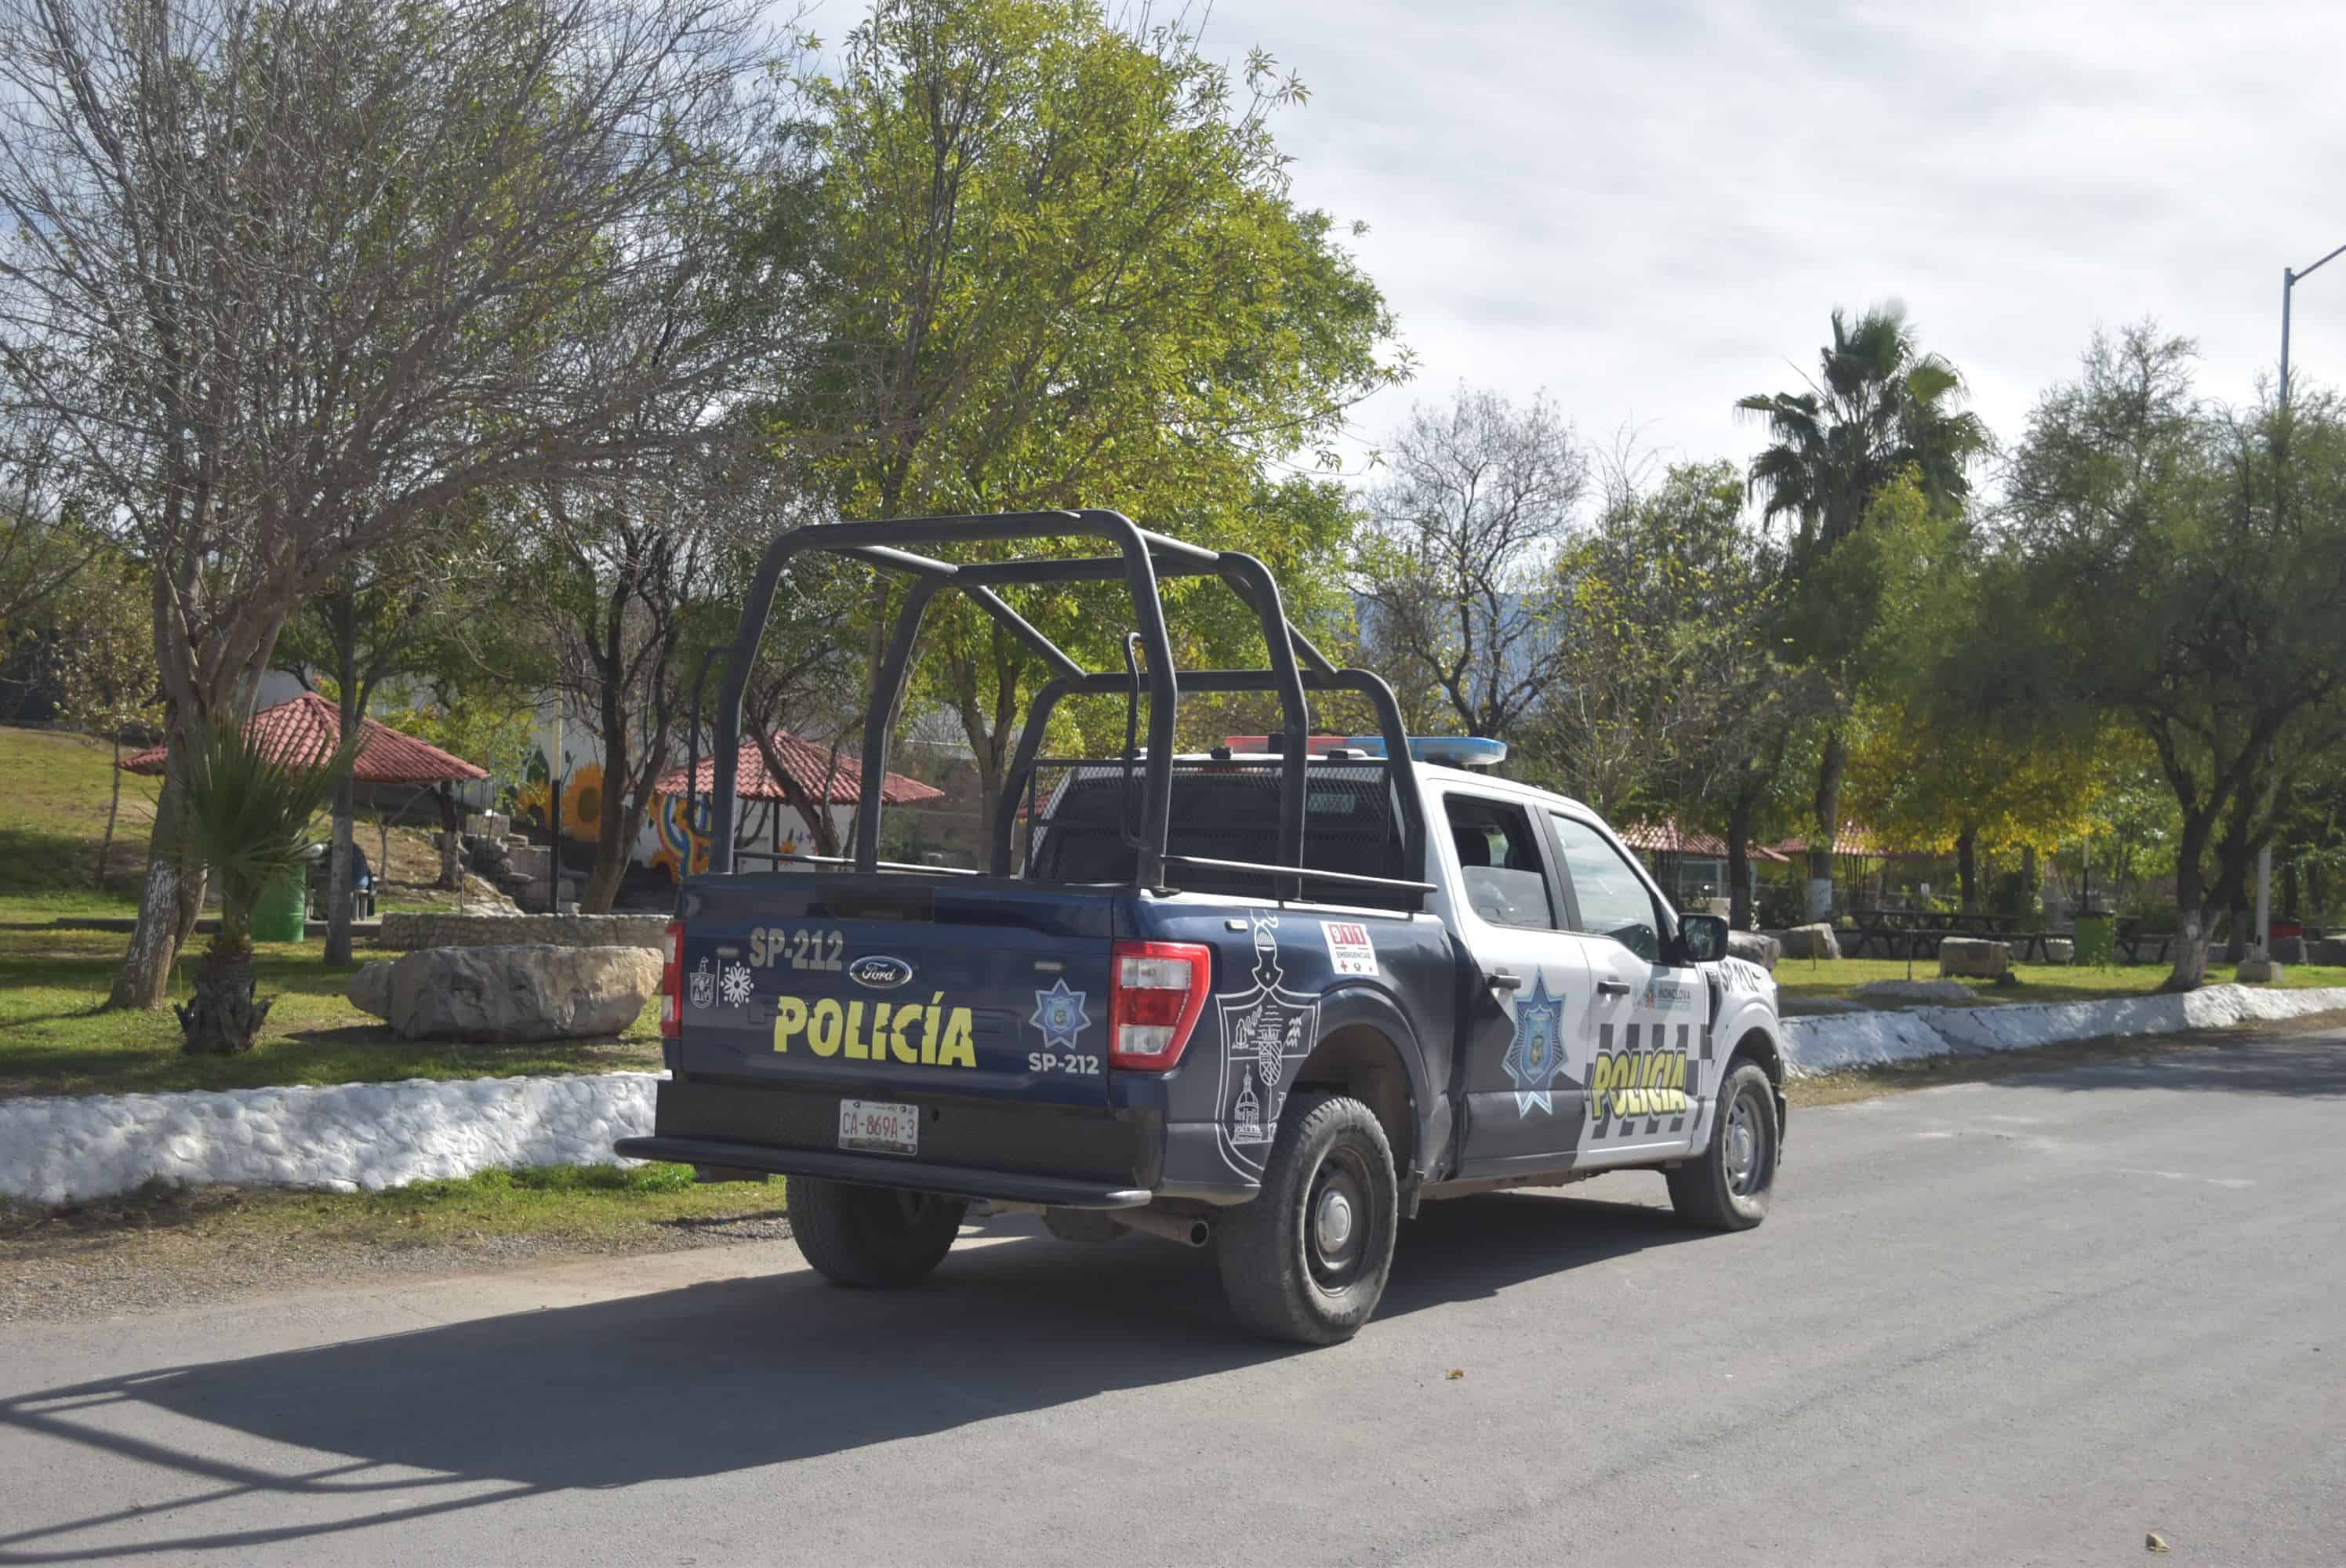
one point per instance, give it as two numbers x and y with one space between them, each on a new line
1063 268
2190 564
293 281
45 537
1670 695
247 818
1458 568
107 679
1879 408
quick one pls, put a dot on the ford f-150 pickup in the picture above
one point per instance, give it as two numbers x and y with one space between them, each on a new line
1271 996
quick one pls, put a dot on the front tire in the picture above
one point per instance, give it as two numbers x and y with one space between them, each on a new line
871 1238
1308 1258
1726 1186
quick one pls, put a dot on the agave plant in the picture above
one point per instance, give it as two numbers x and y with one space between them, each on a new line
246 818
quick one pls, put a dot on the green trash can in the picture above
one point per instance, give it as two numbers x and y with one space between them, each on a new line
282 913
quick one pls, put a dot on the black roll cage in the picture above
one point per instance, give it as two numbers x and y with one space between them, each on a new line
1142 558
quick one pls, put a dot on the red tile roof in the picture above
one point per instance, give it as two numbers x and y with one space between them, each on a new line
814 769
308 728
1666 837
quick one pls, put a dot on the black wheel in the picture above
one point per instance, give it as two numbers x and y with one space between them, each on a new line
1306 1259
874 1238
1726 1186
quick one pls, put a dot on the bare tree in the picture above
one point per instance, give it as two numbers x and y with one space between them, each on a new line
1457 572
294 278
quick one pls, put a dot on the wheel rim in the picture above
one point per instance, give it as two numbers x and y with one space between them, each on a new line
1339 1217
1746 1136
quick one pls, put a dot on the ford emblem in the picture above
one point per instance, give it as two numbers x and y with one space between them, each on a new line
880 973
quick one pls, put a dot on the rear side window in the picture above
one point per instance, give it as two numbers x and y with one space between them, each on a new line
1499 869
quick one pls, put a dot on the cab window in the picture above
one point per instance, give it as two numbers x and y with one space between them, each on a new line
1499 862
1612 902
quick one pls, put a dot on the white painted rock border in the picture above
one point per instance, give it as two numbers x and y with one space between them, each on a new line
1836 1041
347 1137
368 1136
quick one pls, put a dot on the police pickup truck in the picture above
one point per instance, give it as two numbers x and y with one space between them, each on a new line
1271 996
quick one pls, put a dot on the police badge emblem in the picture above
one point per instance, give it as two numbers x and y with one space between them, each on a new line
704 987
1059 1014
1537 1053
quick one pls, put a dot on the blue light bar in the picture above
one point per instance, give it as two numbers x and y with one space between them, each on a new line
1451 750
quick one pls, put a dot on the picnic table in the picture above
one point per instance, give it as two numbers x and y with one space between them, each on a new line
2129 938
1917 933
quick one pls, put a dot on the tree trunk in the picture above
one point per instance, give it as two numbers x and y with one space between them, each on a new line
1738 861
2189 969
222 1017
2288 890
451 872
2031 881
1821 848
1967 867
113 809
145 978
611 848
342 892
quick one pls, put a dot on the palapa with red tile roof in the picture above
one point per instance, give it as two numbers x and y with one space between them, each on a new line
1666 837
829 777
307 728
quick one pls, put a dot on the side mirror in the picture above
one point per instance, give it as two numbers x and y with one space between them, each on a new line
1701 938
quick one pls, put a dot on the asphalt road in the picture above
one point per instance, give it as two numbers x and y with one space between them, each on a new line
2018 1322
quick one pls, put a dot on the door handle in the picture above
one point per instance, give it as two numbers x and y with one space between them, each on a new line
1500 980
1611 988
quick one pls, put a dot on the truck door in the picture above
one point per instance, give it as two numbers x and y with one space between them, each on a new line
1650 1076
1527 978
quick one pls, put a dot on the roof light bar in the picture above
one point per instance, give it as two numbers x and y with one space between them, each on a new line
1451 750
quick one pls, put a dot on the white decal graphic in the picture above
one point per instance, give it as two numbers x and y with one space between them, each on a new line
1350 950
704 987
735 985
1265 1029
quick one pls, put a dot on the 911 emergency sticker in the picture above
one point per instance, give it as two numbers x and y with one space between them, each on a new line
1350 950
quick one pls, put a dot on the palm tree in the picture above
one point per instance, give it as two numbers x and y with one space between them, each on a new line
246 818
1879 407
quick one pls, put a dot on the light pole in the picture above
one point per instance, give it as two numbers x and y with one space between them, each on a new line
2290 278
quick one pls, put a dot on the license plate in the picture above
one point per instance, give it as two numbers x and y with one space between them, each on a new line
876 1125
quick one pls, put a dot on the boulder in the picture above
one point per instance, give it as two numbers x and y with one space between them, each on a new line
2060 950
529 991
1754 947
1929 991
1810 941
1975 956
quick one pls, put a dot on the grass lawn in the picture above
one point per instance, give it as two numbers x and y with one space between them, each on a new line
53 794
1836 978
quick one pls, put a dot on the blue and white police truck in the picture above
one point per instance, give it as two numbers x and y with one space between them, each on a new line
1270 996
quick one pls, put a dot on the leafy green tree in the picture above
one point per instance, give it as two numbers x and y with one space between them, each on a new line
1063 268
2191 575
1879 408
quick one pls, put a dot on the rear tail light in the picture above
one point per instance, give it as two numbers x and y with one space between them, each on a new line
672 979
1156 992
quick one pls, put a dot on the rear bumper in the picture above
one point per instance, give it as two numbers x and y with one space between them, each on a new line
879 1170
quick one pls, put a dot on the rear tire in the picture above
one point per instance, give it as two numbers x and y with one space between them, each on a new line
1308 1258
871 1238
1726 1186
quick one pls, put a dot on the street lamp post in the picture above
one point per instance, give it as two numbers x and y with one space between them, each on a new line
2290 277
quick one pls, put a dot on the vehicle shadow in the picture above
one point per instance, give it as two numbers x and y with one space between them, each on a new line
723 1377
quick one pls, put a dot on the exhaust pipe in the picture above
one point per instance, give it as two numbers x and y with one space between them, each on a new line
1177 1228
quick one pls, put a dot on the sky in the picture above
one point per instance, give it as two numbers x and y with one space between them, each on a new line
1650 208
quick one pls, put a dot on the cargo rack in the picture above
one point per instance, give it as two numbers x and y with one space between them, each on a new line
1296 668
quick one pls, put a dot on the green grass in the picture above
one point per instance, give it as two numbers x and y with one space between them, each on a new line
1836 978
55 1040
52 795
591 1207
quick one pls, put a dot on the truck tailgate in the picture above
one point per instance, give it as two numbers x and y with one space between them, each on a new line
909 988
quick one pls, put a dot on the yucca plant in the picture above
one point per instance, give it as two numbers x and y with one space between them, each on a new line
247 819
